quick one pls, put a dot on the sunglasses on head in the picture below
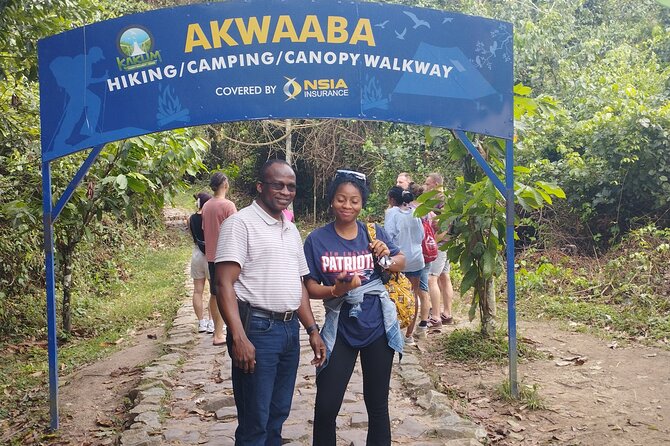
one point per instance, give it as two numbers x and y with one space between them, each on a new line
351 173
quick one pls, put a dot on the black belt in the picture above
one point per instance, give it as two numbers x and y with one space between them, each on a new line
280 316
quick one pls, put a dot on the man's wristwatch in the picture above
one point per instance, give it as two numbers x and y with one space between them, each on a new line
311 328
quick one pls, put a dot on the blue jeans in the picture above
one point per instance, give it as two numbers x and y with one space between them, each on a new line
263 398
423 281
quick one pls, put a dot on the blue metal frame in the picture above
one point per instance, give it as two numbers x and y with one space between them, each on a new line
511 281
51 293
463 138
50 214
507 191
67 194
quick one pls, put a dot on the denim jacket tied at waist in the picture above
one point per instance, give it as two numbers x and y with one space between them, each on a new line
354 298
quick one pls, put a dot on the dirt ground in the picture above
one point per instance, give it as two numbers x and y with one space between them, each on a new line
594 391
91 400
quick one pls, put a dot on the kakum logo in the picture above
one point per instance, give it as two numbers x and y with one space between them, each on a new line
137 45
291 88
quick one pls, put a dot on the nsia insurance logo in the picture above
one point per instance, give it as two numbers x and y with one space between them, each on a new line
291 88
315 88
136 44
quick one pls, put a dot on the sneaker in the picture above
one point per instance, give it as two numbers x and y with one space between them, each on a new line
210 327
409 340
421 332
202 325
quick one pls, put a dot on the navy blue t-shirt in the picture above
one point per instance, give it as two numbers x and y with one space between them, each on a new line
327 256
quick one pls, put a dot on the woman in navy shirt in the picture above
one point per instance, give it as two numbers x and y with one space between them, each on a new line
360 317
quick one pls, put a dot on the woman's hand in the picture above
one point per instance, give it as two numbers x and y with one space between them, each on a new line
379 249
345 281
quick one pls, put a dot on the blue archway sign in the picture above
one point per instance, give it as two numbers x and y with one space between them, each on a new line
259 59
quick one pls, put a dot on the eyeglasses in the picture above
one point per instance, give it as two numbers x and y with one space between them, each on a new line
353 173
280 186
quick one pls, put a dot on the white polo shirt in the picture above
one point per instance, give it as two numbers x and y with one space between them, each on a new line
270 254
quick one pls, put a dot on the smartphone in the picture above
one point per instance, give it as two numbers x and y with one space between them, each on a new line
350 276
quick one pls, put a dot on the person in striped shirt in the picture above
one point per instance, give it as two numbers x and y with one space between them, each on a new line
259 268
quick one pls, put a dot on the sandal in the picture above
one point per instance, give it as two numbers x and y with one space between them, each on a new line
446 319
434 322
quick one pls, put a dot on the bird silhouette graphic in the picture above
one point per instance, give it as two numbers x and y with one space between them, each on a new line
494 47
401 35
382 24
417 22
447 19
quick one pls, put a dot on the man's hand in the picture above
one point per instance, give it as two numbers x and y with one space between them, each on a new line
244 355
318 347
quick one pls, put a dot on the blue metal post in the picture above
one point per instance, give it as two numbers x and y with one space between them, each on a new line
50 215
507 190
463 138
72 186
511 281
47 205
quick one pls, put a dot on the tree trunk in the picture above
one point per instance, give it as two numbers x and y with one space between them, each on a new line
67 291
487 307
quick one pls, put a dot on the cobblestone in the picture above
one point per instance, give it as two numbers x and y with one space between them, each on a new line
186 398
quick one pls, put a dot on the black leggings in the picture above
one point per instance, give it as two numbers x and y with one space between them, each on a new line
331 383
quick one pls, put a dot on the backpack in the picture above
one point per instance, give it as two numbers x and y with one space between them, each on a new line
398 287
428 244
194 231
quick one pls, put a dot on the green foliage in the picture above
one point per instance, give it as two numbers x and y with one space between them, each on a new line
403 148
130 181
607 153
96 267
605 63
473 213
624 293
149 296
529 396
469 346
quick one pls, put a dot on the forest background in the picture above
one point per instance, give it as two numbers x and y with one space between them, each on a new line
592 81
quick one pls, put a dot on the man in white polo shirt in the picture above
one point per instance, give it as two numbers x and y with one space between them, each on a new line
259 267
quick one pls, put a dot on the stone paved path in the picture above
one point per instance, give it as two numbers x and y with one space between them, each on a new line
186 398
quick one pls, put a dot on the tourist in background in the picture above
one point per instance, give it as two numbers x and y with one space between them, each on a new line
214 213
199 267
404 180
417 190
406 231
439 281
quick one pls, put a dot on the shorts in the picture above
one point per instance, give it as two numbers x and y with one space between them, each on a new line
440 265
212 279
423 281
409 274
199 269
